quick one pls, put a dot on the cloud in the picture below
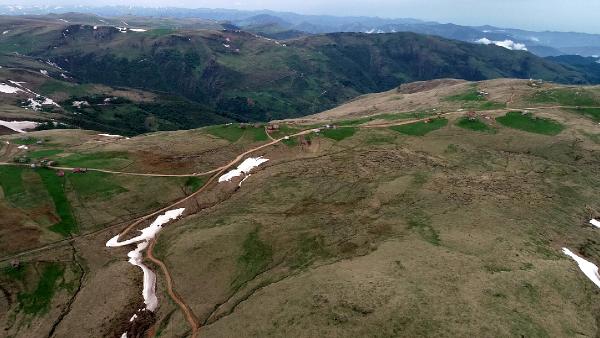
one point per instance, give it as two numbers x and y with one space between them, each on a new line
508 44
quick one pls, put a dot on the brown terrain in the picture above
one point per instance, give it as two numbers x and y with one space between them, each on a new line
362 230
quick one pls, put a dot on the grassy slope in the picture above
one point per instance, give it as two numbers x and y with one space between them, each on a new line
421 128
264 80
530 123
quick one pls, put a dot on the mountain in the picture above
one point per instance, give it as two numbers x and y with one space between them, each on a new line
545 43
245 77
429 210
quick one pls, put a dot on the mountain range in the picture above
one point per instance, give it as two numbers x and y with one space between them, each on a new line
286 24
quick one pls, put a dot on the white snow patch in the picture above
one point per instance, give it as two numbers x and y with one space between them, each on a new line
95 27
133 317
124 335
24 147
5 32
136 257
244 168
79 104
138 30
110 135
588 268
63 20
122 29
508 44
226 45
595 223
19 126
7 89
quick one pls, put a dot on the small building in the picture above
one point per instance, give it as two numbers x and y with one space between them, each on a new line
273 127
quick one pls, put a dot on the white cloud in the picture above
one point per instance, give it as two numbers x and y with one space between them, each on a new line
508 44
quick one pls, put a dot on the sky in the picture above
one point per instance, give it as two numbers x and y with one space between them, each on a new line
562 15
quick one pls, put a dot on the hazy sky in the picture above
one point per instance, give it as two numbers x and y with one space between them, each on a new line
565 15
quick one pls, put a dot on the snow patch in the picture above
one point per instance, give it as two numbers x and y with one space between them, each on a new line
595 223
138 30
110 135
508 44
244 168
136 257
79 104
19 126
588 268
24 147
44 72
5 32
7 89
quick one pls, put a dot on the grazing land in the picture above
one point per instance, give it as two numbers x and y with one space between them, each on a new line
405 214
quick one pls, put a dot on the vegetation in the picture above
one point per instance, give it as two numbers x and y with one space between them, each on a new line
309 248
11 181
56 189
94 185
230 132
572 97
194 183
592 113
38 301
474 99
339 134
421 128
15 273
528 122
44 153
103 160
476 125
421 223
25 140
255 257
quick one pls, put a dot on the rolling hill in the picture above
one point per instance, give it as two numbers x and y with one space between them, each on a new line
438 208
208 76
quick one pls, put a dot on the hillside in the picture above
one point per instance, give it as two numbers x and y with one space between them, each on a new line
286 25
440 208
200 77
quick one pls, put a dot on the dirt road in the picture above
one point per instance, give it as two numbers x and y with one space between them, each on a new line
187 311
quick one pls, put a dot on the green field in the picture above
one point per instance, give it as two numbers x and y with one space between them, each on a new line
530 123
38 301
475 125
95 185
11 182
101 160
473 100
230 133
339 134
421 128
56 189
44 153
